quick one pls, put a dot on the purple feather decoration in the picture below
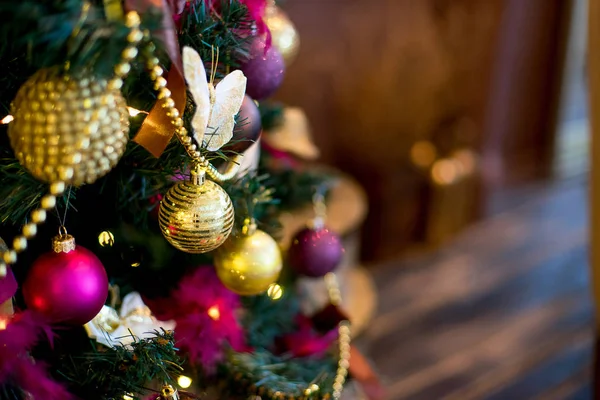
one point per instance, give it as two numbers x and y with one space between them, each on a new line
22 332
205 313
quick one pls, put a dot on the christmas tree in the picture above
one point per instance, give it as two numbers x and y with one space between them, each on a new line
141 219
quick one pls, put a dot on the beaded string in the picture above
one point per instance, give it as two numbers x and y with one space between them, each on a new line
38 216
344 340
182 134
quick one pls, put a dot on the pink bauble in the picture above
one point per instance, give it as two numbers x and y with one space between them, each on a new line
315 252
264 70
67 288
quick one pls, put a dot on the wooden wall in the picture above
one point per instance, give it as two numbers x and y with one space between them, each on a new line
375 77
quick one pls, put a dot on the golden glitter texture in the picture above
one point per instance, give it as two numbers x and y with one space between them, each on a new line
68 129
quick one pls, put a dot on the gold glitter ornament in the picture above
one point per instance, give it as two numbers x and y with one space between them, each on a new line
65 128
248 263
196 216
284 35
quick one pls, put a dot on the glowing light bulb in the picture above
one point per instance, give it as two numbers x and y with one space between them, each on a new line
184 381
106 238
275 291
214 313
7 119
134 112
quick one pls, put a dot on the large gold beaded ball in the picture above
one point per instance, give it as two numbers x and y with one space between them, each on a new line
248 264
196 218
284 36
68 129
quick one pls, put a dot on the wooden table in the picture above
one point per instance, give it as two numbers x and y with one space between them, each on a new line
503 312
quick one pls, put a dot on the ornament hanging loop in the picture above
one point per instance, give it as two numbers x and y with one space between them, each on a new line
62 231
168 393
320 210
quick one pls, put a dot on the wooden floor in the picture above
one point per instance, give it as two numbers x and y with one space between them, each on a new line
503 312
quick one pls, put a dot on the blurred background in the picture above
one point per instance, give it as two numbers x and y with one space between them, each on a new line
465 123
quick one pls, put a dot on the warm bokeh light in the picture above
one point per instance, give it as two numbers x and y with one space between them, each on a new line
445 171
214 313
275 291
423 153
134 112
3 322
468 160
7 119
106 238
127 397
184 382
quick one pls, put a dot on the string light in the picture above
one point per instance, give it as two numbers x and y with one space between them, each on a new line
106 238
7 119
184 381
127 397
275 291
214 313
134 112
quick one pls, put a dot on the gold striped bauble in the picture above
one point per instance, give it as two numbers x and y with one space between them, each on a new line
196 216
65 128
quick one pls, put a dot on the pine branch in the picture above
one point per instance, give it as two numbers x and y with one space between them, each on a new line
273 373
227 30
250 195
271 114
97 46
112 373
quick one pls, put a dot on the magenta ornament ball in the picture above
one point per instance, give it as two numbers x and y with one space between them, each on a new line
264 70
67 288
315 252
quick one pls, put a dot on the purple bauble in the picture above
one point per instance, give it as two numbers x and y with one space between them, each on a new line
8 287
264 70
67 288
248 130
315 252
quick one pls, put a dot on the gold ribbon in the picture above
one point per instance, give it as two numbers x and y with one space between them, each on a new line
157 130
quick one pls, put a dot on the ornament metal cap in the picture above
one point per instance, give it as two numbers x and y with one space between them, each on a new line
63 242
198 175
168 393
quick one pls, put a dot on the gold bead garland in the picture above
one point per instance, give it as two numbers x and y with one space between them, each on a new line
58 186
344 340
37 216
335 297
164 96
195 216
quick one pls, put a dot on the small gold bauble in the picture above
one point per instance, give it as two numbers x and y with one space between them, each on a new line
68 129
248 264
196 217
284 36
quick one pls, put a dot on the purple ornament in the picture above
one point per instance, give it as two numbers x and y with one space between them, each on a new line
248 130
8 287
264 70
68 288
315 252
